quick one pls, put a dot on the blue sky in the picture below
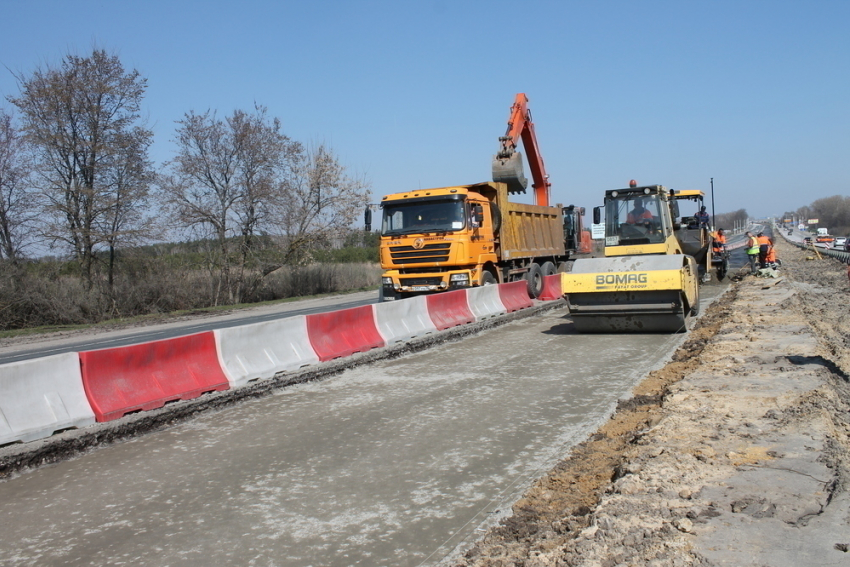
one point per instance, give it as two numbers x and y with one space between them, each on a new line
415 94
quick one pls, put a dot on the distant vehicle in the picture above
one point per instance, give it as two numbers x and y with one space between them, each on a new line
839 242
807 240
823 232
847 245
790 231
824 239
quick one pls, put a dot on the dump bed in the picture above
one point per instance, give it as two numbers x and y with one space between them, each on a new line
527 231
531 231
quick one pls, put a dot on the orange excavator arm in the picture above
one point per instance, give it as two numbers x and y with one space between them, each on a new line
507 164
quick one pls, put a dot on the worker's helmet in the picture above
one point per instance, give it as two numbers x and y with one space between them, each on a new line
702 209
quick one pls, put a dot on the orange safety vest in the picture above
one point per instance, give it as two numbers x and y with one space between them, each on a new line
771 255
763 240
632 219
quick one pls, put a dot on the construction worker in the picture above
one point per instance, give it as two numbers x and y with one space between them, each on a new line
771 256
764 245
639 214
718 243
703 217
752 251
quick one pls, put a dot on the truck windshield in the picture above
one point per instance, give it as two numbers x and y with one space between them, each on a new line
633 219
422 216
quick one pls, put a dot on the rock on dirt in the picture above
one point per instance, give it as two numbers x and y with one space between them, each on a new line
735 453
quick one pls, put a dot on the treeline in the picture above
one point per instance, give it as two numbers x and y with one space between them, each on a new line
832 213
255 210
731 221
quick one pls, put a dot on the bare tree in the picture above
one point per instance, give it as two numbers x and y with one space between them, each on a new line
128 175
832 212
731 220
78 118
320 200
225 181
17 200
240 177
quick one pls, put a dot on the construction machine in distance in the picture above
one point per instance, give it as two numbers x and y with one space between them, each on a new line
434 240
648 280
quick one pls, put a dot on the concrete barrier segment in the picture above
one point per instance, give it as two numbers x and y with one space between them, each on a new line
261 350
449 309
145 376
514 295
403 320
485 302
551 288
41 396
342 333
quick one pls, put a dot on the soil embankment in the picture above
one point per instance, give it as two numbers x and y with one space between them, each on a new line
735 453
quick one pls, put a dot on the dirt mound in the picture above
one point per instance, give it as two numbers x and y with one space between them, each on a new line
736 452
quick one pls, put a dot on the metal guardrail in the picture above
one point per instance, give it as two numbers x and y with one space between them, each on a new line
837 254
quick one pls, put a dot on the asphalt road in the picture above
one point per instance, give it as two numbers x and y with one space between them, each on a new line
399 462
34 347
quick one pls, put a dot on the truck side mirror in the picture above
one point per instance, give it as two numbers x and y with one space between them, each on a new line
367 218
478 211
676 209
597 215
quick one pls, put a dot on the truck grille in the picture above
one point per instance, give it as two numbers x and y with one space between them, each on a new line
420 281
428 253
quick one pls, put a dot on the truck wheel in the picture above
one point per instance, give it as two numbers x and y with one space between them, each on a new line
487 278
565 267
722 269
534 277
548 268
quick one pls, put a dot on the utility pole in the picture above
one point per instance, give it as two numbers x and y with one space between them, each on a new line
712 204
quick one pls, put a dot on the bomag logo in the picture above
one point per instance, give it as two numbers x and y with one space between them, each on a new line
620 279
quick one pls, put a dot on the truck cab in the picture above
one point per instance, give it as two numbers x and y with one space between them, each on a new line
435 240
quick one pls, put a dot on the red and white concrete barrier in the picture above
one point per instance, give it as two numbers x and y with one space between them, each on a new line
41 396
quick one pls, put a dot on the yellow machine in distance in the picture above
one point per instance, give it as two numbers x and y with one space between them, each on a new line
648 280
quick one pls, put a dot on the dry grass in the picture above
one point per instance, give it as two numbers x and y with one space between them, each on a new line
38 297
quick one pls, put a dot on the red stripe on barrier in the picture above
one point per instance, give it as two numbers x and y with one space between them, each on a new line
344 332
514 296
449 309
551 288
146 376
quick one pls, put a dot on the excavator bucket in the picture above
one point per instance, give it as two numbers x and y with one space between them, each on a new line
509 170
643 294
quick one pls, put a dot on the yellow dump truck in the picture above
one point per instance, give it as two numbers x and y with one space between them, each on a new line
648 280
447 238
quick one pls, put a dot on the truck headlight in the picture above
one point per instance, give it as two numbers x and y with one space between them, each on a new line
387 281
460 278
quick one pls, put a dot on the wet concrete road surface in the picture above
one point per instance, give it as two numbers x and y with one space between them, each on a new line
395 463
